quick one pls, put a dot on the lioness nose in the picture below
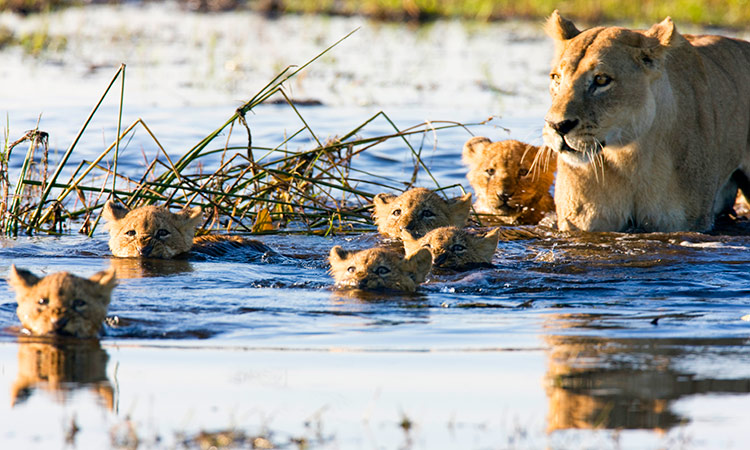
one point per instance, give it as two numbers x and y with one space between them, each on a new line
564 126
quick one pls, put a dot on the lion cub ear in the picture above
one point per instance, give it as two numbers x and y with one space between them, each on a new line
560 28
487 243
21 280
190 218
106 279
113 211
411 245
419 264
337 255
459 209
474 149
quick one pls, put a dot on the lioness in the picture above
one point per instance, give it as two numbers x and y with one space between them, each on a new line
62 303
511 179
379 268
651 127
417 211
156 232
456 248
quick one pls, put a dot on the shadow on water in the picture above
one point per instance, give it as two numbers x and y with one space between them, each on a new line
61 366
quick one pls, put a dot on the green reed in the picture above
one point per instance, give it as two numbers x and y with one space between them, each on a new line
251 188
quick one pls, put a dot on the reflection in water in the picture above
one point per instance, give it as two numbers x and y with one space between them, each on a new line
597 382
143 268
61 366
345 296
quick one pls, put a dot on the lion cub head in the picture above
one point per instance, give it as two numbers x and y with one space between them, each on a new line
62 303
511 179
417 211
379 268
456 248
150 231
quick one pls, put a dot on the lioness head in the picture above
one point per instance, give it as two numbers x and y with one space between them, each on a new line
417 211
62 303
510 178
150 231
379 268
600 85
455 248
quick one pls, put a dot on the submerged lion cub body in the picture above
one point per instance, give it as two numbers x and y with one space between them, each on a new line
156 232
379 268
456 248
417 211
62 303
511 179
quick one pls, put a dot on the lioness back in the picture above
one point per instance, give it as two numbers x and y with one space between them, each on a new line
511 179
417 211
379 269
651 127
62 303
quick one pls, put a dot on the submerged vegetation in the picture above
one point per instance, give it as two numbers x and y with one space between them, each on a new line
241 186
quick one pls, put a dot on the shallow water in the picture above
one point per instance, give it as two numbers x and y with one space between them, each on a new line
570 341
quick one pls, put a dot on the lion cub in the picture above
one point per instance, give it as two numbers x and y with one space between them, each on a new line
156 232
62 303
456 248
511 179
379 268
417 211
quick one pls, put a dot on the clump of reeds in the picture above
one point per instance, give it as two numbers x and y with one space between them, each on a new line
249 188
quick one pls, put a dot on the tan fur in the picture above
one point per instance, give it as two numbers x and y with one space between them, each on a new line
379 268
511 179
60 368
150 231
456 248
650 126
417 211
62 303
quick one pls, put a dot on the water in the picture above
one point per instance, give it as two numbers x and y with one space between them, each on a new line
570 341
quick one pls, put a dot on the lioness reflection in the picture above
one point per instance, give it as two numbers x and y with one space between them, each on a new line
595 382
61 367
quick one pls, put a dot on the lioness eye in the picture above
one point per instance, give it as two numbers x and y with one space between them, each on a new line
382 270
162 233
490 172
427 213
78 303
523 172
351 269
130 233
43 301
457 248
601 80
396 212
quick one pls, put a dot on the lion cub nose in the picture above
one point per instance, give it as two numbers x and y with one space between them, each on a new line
564 126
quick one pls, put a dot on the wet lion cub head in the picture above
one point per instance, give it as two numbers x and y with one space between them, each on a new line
511 179
417 211
62 303
379 268
150 231
456 248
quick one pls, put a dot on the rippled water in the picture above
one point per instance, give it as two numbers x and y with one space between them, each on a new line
569 341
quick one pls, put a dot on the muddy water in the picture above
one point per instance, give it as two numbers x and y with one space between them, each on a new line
569 341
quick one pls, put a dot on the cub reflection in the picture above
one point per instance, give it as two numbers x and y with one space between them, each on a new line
595 382
145 268
60 367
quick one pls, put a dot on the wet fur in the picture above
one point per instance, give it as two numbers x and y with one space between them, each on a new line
379 269
456 248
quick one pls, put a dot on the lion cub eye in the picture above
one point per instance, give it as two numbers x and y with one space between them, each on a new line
490 172
78 303
351 269
43 301
130 233
382 270
602 80
457 248
162 233
396 212
427 214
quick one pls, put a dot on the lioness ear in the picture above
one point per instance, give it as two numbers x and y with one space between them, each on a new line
112 211
473 149
337 255
660 37
459 209
419 264
21 280
560 28
191 217
106 279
